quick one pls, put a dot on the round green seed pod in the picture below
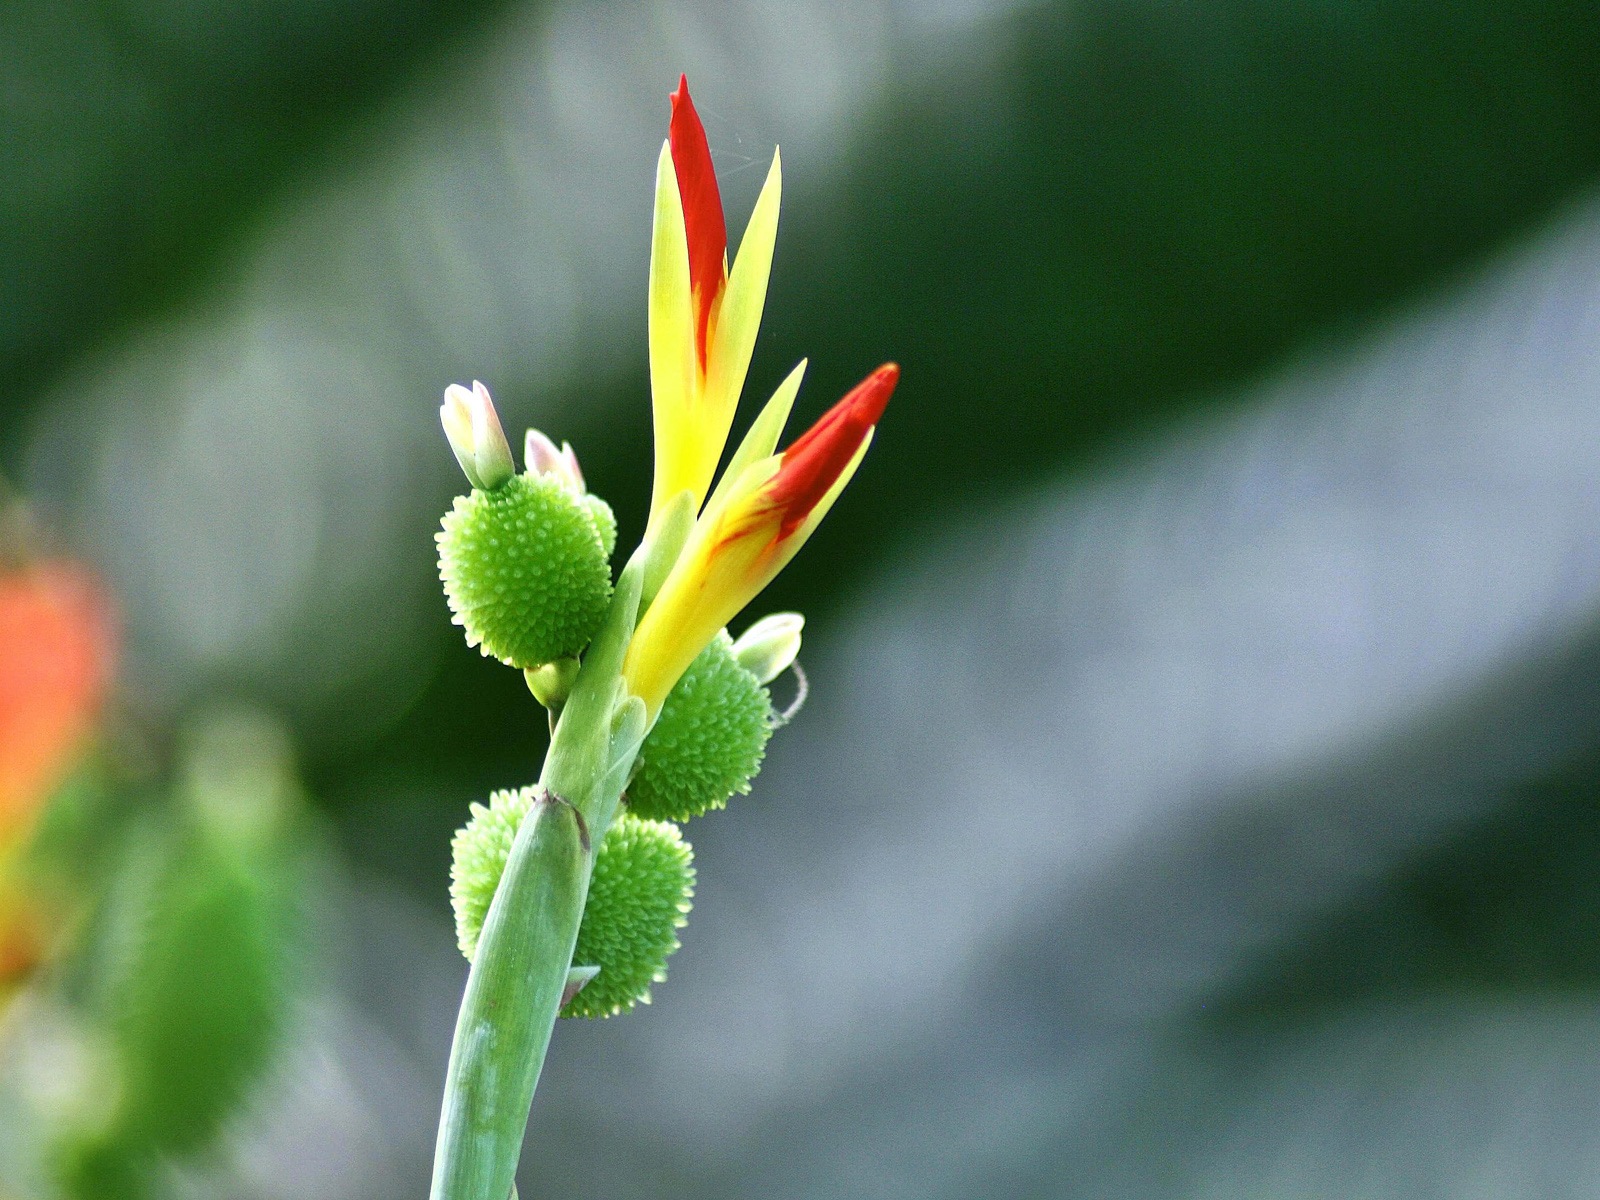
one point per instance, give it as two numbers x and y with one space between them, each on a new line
605 522
524 570
638 899
708 742
478 855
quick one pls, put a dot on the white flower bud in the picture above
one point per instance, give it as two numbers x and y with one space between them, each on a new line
473 429
540 455
770 646
570 457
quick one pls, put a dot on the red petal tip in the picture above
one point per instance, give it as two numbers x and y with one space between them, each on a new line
818 457
706 232
871 395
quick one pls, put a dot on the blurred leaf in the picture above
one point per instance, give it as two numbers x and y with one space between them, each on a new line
1509 906
139 138
197 960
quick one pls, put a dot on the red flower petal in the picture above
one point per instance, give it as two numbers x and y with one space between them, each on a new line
702 212
812 464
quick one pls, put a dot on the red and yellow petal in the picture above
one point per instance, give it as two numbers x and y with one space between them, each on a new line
755 524
706 230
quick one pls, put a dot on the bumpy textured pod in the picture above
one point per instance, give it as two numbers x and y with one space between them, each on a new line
639 898
478 858
605 522
708 742
525 569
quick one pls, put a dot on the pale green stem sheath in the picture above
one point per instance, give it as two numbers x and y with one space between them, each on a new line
510 1004
515 985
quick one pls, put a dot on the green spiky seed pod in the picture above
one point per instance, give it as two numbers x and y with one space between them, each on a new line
638 899
605 522
524 570
708 742
478 856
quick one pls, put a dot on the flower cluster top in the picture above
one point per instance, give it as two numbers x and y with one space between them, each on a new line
525 558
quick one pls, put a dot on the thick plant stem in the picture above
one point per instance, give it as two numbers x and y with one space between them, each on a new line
511 1002
514 989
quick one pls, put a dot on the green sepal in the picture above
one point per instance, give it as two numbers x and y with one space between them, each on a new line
525 570
708 742
663 543
639 897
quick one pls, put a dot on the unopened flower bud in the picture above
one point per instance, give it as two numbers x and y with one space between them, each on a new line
473 428
543 458
569 456
552 683
639 897
525 571
769 647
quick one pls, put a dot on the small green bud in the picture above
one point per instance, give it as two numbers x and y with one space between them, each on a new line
473 429
769 647
639 898
524 571
707 743
552 683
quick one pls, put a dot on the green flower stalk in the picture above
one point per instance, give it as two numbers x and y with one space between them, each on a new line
569 894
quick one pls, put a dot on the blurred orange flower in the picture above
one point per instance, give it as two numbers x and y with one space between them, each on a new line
57 653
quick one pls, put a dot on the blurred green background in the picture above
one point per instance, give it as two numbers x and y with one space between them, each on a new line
1198 794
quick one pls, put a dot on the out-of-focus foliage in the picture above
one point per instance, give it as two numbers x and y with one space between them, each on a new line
174 946
196 946
1203 726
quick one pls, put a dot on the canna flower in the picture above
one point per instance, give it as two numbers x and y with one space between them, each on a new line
762 513
703 317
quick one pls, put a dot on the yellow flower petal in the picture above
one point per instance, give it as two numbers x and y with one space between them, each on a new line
762 437
711 581
739 318
674 382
